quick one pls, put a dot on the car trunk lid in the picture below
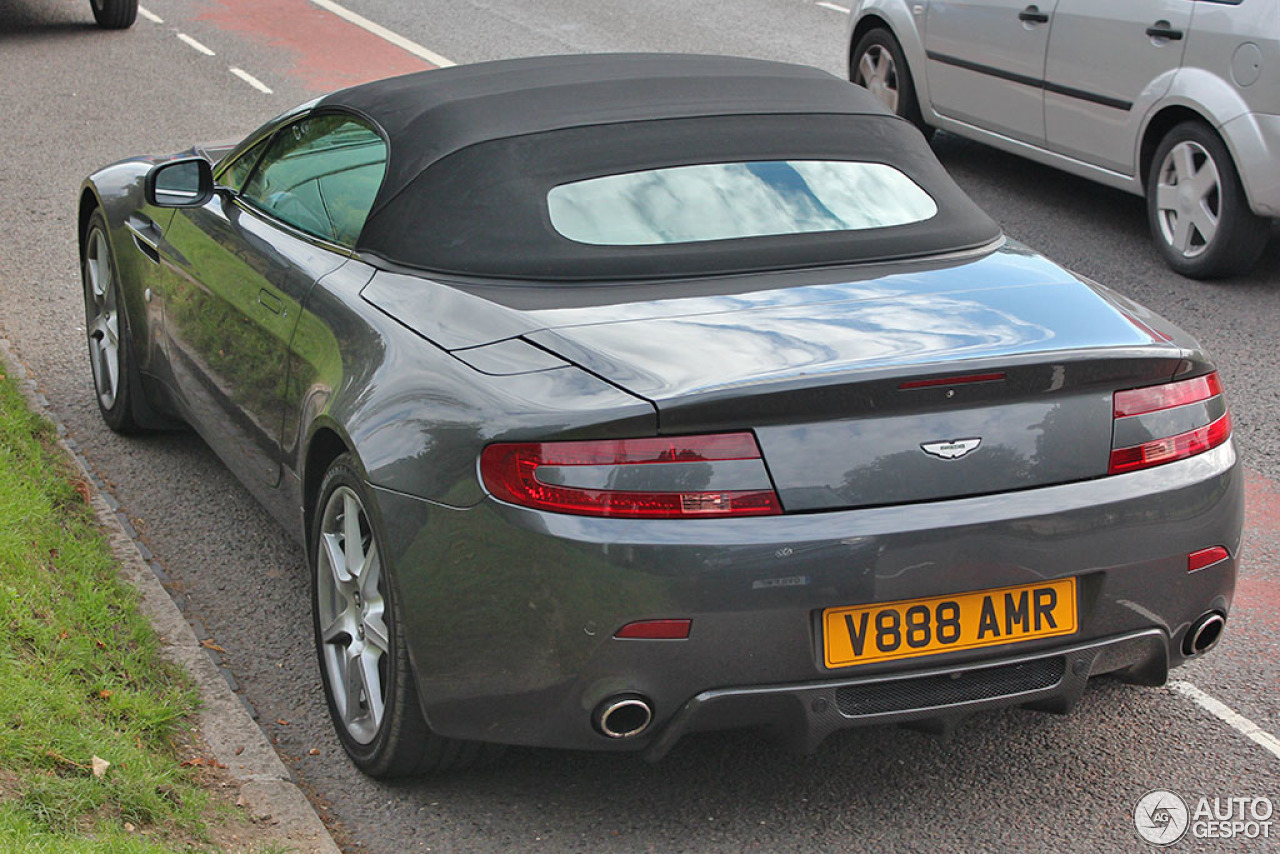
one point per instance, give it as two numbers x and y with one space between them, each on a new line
886 392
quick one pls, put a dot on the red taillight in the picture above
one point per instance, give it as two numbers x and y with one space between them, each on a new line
655 630
655 478
1138 402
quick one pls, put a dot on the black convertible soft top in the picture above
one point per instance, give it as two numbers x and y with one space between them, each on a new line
473 151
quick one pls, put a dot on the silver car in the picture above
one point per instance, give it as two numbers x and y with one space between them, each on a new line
1174 100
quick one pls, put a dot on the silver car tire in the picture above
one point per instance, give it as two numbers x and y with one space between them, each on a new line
878 65
107 329
114 14
364 663
1198 212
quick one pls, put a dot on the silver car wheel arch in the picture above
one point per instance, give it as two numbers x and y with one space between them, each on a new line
879 75
352 607
1188 198
104 324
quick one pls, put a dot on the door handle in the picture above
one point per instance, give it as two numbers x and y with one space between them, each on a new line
1033 15
1162 30
270 301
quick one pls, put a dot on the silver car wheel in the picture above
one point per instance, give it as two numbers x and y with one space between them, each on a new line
104 323
352 615
878 74
1188 198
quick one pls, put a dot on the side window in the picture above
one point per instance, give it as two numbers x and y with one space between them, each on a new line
235 175
320 174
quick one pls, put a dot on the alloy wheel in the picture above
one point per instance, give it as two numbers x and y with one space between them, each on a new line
104 319
351 607
877 72
1188 198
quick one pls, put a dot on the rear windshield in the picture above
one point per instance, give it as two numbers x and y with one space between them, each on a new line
723 201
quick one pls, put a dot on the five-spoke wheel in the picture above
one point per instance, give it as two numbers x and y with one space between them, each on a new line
351 609
364 663
877 64
1199 215
110 353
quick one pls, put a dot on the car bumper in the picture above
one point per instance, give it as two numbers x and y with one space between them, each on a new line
510 613
934 699
1254 139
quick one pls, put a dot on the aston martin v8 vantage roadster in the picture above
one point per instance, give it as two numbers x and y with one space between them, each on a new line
616 398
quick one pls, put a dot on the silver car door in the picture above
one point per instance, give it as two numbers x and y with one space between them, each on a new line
1107 61
986 63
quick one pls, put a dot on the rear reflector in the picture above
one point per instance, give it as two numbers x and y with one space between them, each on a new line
1197 398
1206 557
655 630
652 478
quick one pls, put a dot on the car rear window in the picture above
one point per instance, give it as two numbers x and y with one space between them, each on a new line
724 201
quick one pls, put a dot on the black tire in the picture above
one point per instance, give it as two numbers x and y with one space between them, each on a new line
1231 247
400 743
104 298
114 14
880 42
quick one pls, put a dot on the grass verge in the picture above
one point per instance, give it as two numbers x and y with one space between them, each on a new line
81 677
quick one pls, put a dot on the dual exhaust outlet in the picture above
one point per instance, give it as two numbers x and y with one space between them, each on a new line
622 716
1203 634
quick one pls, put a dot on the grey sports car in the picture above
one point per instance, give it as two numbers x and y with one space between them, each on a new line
616 398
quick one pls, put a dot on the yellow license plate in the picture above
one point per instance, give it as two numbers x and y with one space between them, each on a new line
890 630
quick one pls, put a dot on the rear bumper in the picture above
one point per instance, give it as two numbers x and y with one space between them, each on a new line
934 699
1254 139
510 613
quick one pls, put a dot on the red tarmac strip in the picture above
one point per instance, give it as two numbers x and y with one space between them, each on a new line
1258 587
317 47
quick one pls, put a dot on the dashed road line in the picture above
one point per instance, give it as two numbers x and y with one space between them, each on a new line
1229 716
385 34
190 42
833 7
251 80
149 15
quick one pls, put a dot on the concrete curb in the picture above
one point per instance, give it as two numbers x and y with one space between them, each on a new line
267 789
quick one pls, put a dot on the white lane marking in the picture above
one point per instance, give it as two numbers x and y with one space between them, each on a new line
834 8
251 80
385 34
1229 716
195 44
149 15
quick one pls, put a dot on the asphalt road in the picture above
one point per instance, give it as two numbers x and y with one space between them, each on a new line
73 97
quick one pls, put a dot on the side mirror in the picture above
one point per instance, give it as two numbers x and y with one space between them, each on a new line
185 183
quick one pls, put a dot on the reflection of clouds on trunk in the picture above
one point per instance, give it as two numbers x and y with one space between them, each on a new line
721 201
757 346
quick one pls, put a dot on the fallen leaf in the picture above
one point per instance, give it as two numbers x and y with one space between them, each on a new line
209 644
104 694
129 828
239 750
282 722
100 766
203 762
82 489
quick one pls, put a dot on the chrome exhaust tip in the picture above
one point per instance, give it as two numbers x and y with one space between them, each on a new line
623 716
1203 634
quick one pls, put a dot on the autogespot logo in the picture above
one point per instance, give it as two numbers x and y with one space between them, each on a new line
1161 817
